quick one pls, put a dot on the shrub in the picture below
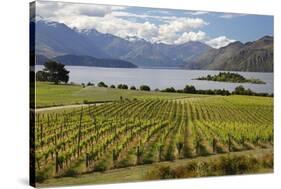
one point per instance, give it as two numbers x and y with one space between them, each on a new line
102 84
171 153
41 176
268 161
189 89
71 172
122 86
238 164
226 165
170 90
151 156
144 88
130 161
90 84
133 88
160 172
102 165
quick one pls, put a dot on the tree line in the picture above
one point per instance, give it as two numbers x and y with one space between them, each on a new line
56 72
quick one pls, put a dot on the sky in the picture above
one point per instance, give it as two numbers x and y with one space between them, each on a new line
158 25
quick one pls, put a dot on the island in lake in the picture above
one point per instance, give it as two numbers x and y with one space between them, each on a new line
231 77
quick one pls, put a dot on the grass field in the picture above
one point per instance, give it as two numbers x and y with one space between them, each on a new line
48 94
115 142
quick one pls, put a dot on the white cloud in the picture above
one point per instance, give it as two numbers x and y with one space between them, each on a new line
53 9
112 20
170 32
103 19
196 13
230 15
191 36
182 25
219 42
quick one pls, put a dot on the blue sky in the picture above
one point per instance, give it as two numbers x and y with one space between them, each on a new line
159 25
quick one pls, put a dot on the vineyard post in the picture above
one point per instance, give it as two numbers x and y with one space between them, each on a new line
79 132
41 132
87 160
56 162
160 151
48 121
138 155
229 143
197 147
214 145
114 156
243 140
38 164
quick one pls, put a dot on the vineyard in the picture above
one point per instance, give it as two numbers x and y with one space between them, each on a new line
133 132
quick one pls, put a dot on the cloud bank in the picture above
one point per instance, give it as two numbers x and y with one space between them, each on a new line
116 20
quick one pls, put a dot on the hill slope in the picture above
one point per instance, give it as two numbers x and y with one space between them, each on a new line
75 60
54 39
256 56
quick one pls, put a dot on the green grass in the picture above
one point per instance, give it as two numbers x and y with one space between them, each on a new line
48 94
139 173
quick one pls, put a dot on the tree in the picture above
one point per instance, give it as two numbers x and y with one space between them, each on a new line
125 86
133 88
41 76
122 86
144 88
239 90
102 84
90 84
189 89
171 90
56 71
53 72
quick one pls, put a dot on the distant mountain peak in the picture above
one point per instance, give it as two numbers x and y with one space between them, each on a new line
266 37
50 23
134 38
235 44
86 31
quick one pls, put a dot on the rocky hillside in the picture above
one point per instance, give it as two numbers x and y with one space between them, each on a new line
256 56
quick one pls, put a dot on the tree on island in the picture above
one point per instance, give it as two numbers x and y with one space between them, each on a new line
53 72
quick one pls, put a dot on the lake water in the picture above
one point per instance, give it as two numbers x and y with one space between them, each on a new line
162 78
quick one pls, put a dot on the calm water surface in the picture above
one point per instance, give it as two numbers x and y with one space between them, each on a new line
162 78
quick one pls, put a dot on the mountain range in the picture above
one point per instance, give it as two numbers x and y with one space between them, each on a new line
72 60
256 56
72 46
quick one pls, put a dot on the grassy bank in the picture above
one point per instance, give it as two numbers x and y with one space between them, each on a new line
48 94
150 172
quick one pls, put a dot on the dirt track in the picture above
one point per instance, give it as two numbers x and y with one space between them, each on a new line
65 107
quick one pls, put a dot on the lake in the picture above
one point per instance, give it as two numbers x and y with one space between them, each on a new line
162 78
